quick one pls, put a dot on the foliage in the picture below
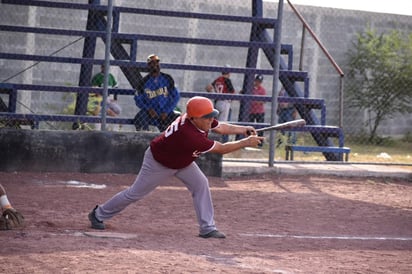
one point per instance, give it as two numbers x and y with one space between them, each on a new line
380 76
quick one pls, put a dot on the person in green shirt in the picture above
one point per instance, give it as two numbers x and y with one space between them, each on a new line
97 80
95 100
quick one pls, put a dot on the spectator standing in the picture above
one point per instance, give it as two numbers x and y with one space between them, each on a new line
257 108
222 85
156 97
286 112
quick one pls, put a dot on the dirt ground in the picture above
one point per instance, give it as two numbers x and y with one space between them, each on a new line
273 224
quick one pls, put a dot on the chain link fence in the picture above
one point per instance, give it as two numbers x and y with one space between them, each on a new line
347 73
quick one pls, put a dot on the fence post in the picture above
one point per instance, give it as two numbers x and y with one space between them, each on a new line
276 39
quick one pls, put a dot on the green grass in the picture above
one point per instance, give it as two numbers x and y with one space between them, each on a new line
399 152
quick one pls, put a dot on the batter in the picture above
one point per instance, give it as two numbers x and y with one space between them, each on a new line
173 154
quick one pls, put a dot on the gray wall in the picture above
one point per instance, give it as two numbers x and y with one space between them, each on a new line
336 29
82 151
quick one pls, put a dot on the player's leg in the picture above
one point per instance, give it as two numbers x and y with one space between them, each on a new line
4 202
198 185
224 115
260 118
141 120
151 175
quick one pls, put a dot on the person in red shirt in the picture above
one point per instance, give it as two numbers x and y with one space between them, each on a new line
223 85
257 108
173 153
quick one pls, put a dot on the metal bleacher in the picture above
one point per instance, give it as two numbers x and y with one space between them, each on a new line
125 59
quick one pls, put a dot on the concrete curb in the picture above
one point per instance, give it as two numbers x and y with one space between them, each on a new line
231 169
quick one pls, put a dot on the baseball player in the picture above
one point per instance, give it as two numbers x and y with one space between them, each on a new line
222 84
10 217
173 154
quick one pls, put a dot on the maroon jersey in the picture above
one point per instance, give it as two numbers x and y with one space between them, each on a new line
181 143
223 85
258 106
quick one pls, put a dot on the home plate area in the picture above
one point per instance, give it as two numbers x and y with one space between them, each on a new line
106 234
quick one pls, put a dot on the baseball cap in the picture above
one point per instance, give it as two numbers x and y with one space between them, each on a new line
201 107
259 77
152 57
227 69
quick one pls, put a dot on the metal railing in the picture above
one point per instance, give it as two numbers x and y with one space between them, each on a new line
305 26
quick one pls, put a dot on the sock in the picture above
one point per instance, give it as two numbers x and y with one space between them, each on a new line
4 202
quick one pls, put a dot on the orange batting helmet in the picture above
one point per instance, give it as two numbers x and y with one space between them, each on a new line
200 107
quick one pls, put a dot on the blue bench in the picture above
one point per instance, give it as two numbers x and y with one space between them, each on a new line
339 150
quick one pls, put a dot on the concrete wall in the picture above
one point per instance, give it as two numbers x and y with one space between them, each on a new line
82 151
335 28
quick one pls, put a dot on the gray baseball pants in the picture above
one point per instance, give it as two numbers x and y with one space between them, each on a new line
151 175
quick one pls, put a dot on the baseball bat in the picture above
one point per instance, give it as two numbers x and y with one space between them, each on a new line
286 125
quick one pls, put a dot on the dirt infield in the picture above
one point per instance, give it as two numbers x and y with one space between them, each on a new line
274 224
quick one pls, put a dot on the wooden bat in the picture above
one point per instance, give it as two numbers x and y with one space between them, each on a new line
290 124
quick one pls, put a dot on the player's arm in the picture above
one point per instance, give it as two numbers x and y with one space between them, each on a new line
211 87
229 85
223 148
226 128
140 98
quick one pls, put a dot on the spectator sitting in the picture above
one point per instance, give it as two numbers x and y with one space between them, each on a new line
157 97
95 100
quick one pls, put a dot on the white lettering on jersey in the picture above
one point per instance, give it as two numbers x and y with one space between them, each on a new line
175 126
219 88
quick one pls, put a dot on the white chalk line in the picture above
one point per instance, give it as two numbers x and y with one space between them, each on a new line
312 237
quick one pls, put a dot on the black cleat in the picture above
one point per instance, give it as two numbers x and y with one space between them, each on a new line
213 234
95 223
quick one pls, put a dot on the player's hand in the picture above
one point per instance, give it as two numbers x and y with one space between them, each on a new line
163 116
250 131
209 88
152 113
254 140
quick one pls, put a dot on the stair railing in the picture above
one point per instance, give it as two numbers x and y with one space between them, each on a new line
305 26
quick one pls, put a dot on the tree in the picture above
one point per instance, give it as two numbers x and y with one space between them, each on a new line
380 76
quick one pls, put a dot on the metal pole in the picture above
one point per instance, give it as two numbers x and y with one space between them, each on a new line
302 48
341 102
276 39
107 60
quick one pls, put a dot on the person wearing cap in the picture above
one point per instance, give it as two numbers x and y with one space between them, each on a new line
173 154
156 97
224 85
257 108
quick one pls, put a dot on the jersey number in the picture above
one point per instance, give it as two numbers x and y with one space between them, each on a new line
172 128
